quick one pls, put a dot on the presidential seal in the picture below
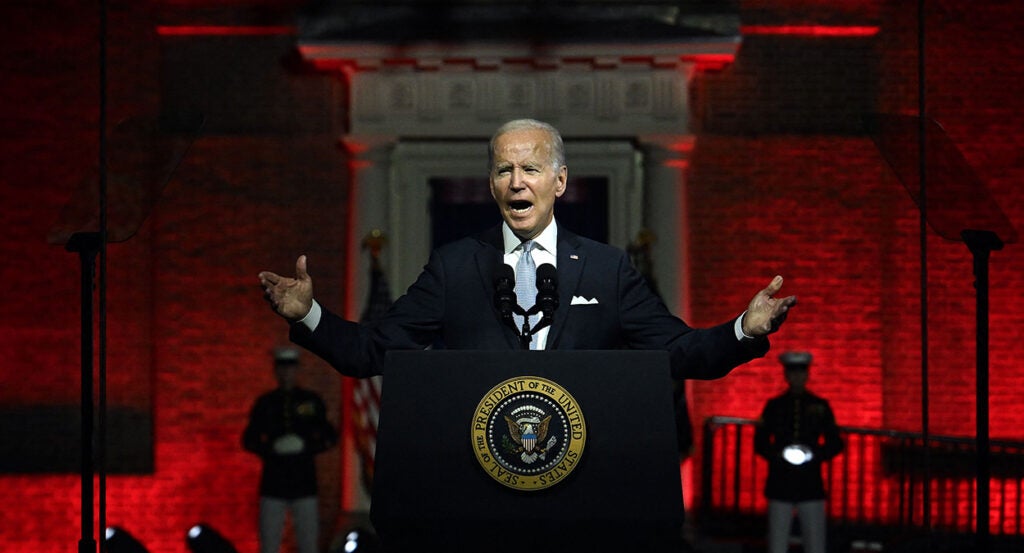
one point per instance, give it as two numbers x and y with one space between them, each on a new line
528 433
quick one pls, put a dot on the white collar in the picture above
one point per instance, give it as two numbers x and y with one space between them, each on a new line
547 239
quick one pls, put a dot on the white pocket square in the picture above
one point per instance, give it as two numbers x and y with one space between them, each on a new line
580 300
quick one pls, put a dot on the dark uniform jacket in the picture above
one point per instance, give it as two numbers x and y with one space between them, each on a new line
281 412
793 418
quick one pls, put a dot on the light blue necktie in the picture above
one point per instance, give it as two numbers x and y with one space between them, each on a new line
526 285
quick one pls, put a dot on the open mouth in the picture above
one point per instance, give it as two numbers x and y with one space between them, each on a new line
520 207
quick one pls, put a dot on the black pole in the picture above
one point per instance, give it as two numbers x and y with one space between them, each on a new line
982 243
922 160
87 244
101 247
101 435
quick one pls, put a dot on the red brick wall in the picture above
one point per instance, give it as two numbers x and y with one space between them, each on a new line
773 191
189 334
782 181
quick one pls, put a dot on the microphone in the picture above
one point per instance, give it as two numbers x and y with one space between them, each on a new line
547 294
505 294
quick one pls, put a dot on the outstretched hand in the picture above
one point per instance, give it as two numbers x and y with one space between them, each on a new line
766 312
291 298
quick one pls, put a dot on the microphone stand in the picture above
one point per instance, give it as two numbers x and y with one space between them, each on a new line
547 316
507 304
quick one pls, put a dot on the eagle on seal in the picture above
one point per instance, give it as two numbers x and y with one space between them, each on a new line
528 432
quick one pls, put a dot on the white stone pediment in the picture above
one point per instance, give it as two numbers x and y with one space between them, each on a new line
438 90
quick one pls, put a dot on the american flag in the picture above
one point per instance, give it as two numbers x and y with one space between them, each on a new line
366 391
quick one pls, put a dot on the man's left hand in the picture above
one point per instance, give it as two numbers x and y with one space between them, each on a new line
766 312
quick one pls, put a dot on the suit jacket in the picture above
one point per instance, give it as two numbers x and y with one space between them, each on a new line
452 304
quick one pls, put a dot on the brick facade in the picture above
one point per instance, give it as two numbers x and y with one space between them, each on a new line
781 180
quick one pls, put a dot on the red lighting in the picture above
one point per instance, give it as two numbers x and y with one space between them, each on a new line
224 30
342 66
684 146
811 30
710 62
352 147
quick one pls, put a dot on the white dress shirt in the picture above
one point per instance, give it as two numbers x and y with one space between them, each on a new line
545 251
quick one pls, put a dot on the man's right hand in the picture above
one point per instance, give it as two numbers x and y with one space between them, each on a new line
291 298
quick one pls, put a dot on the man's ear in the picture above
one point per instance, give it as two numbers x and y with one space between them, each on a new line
563 180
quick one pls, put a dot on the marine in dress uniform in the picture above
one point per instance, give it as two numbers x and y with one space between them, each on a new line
287 428
796 433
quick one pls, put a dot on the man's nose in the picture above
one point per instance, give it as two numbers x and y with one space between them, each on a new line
516 181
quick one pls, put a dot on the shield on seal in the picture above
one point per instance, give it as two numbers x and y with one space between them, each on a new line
529 439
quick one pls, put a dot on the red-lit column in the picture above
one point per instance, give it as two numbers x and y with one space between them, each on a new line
368 207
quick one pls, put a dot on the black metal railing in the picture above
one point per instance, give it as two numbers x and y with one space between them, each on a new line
876 486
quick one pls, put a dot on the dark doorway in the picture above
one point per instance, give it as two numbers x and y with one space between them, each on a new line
463 206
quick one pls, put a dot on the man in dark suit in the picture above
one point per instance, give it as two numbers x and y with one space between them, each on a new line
603 301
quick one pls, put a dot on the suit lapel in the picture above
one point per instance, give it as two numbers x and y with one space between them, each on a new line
570 268
488 257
